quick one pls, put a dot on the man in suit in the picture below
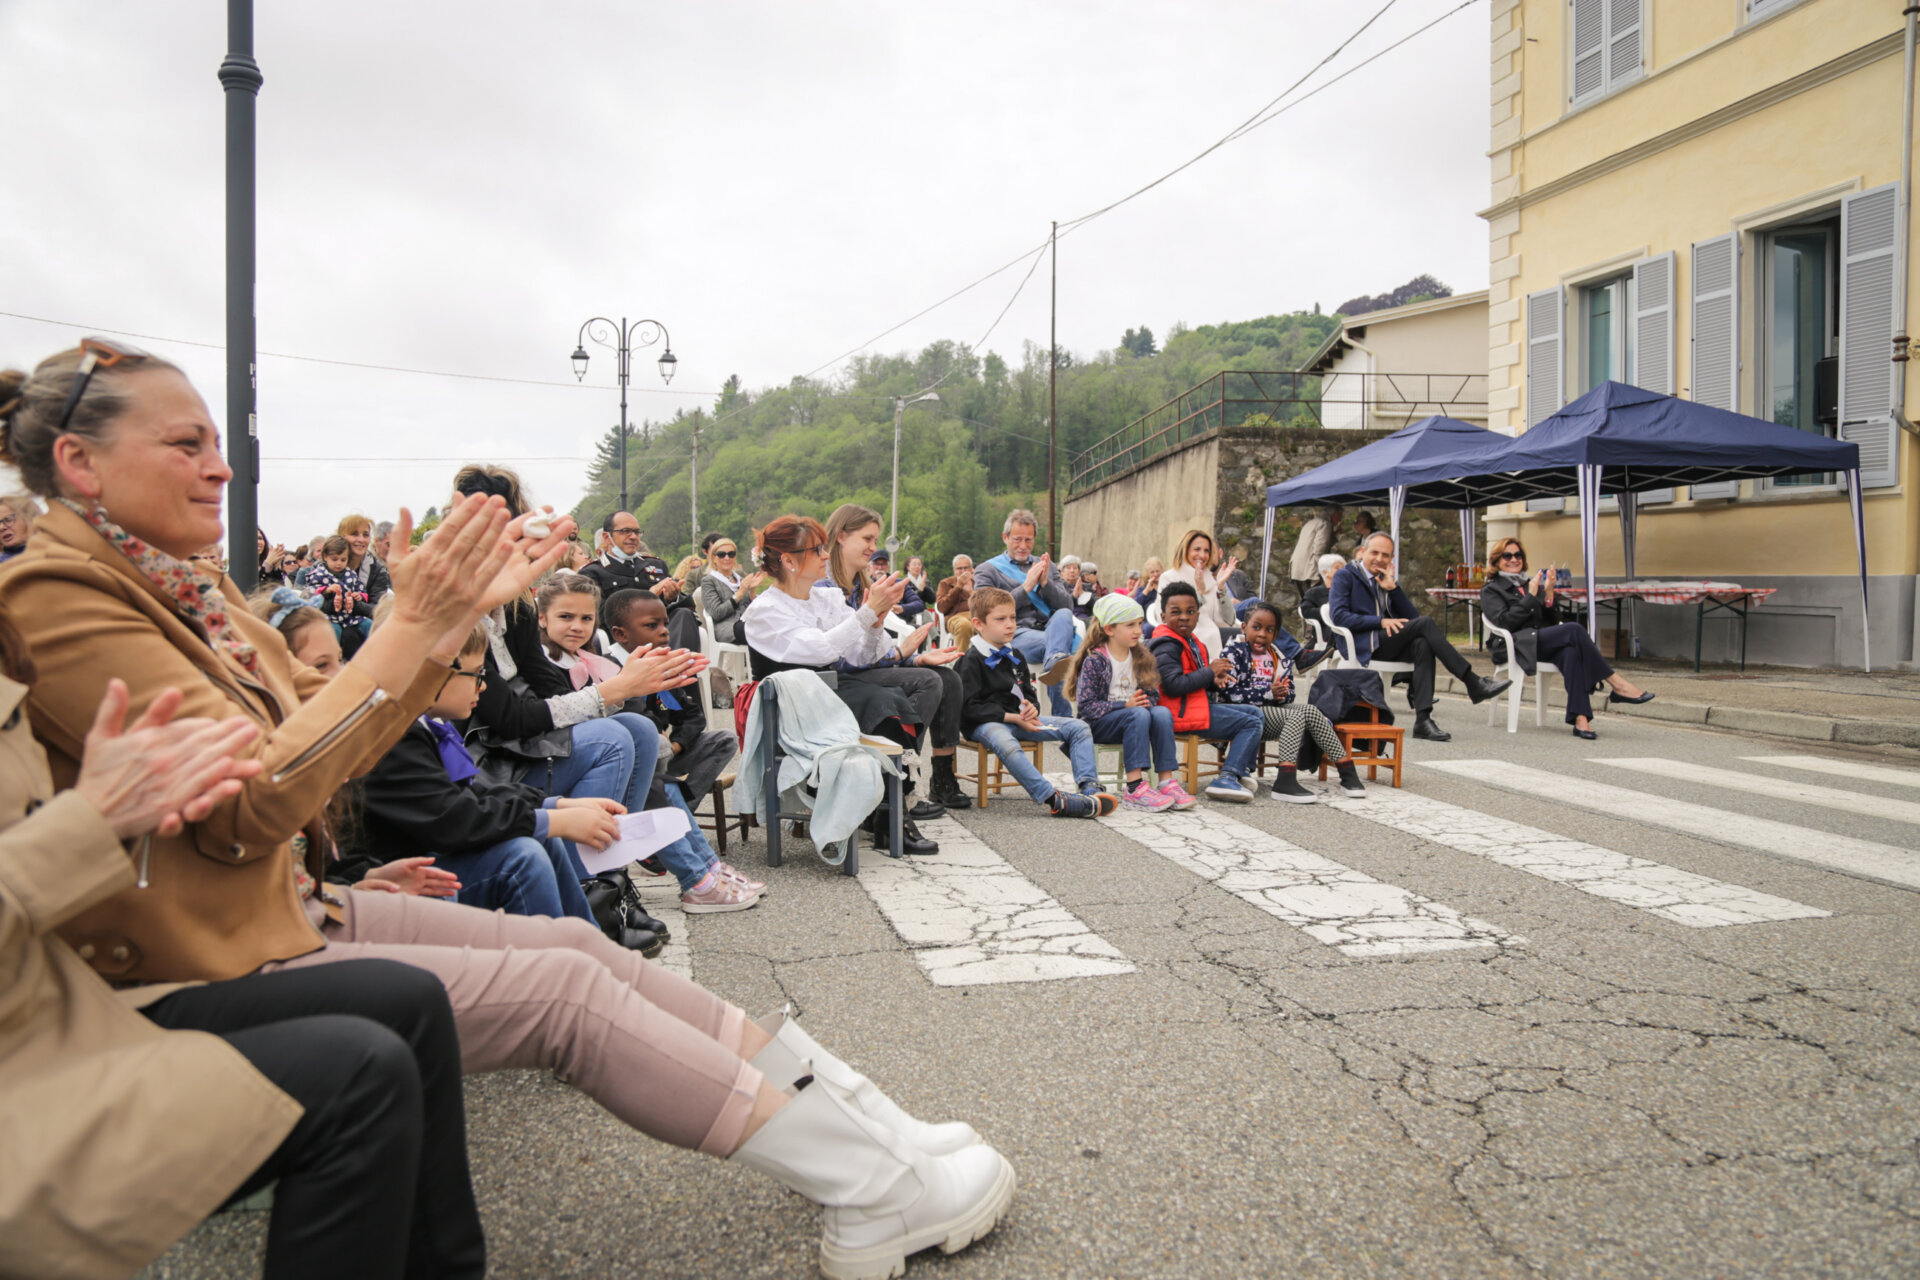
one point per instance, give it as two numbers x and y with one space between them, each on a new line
1366 600
628 563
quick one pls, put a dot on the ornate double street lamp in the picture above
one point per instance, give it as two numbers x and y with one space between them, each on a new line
621 339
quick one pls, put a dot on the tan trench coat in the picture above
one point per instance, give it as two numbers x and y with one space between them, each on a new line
222 899
115 1137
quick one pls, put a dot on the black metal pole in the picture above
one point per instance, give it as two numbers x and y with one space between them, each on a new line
1053 403
626 359
241 78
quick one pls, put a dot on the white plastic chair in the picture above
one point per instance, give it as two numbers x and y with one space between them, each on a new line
730 658
1382 665
1318 635
1516 673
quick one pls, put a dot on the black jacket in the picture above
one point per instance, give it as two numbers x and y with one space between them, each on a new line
1310 604
991 694
642 573
410 807
1511 607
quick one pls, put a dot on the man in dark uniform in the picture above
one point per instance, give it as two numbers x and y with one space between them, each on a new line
627 563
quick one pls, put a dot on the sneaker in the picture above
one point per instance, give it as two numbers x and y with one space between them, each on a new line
1104 801
1067 804
1286 786
1229 789
1350 781
1173 791
1145 799
732 873
722 895
651 865
1054 669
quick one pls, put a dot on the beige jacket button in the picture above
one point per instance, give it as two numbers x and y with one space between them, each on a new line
239 851
86 951
121 953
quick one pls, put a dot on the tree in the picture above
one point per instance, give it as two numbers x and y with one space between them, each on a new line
1419 289
1138 342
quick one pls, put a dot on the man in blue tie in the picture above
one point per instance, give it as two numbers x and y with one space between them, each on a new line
1041 602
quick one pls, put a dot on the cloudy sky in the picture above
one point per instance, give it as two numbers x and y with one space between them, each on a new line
456 187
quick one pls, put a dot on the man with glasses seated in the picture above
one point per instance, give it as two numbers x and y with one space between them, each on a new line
17 511
1366 599
629 563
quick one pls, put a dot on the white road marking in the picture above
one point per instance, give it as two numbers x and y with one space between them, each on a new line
1843 769
970 918
1883 862
1783 788
1330 903
1667 892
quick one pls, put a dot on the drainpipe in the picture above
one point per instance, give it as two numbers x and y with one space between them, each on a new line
1904 220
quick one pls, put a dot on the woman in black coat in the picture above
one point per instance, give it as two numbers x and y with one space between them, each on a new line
1524 604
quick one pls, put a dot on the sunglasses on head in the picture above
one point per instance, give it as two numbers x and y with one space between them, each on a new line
95 354
492 486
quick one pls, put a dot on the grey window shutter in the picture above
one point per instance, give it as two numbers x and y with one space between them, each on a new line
1715 335
1546 367
1866 333
1589 49
1653 336
1623 41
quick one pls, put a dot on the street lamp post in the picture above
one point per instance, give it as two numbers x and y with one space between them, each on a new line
241 80
900 404
601 329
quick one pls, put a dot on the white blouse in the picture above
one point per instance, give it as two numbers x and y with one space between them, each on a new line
816 632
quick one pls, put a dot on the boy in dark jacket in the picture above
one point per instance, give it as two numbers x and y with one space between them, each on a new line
1001 710
1188 676
507 842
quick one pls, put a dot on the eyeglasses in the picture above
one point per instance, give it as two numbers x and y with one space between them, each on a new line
95 353
725 555
9 520
1512 555
627 533
478 677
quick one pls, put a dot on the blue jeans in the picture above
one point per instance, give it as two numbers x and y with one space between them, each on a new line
612 758
1037 646
521 876
690 857
1241 727
1004 740
1145 735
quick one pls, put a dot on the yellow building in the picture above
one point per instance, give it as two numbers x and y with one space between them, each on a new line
1702 197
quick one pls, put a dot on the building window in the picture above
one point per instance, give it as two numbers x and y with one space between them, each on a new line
1606 332
1800 331
1761 8
1607 46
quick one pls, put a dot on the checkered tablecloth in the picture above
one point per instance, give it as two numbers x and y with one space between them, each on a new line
1651 592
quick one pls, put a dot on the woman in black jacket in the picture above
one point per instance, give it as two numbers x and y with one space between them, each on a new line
1524 605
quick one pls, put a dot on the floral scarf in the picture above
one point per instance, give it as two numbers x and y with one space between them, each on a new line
195 594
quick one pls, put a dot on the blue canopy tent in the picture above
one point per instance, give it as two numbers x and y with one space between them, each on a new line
1618 439
1376 473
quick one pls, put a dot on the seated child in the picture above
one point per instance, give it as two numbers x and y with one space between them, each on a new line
569 610
1116 691
1262 676
1000 710
340 590
1188 681
505 841
692 755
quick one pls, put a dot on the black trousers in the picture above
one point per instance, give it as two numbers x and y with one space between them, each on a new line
936 693
1568 646
373 1180
683 629
1421 643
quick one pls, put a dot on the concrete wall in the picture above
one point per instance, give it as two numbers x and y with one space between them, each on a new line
1141 512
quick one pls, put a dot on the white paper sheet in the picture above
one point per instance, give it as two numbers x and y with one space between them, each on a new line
640 834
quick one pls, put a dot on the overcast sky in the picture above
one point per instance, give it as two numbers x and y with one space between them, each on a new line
457 187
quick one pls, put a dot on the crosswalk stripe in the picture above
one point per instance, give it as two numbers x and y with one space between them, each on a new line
1843 769
1883 862
971 918
1668 892
1333 904
1784 788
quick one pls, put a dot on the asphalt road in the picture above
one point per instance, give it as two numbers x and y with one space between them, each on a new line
1456 1040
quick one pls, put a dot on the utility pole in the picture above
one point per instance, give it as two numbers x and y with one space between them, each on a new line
1053 405
900 404
694 478
241 78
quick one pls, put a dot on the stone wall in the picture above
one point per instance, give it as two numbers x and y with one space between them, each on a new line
1149 505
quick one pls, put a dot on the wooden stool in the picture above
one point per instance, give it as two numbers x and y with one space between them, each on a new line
990 776
1382 736
1192 773
723 821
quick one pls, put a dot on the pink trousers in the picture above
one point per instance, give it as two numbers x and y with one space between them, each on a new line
655 1049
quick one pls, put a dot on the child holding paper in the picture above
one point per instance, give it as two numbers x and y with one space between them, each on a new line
507 842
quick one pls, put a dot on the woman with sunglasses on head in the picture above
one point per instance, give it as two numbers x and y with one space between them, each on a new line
1524 604
125 450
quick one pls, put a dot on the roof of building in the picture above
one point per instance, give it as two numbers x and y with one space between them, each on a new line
1338 342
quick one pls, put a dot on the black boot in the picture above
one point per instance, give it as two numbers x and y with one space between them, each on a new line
911 841
946 785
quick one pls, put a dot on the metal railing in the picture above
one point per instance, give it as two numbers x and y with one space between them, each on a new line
1234 397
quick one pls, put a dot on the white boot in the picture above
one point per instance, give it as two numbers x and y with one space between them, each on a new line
793 1053
884 1197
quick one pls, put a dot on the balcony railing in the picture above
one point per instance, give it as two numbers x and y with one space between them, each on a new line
1233 398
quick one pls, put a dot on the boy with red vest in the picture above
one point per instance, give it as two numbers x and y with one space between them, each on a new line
1187 680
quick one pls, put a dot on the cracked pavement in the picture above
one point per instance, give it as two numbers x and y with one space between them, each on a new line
1602 1088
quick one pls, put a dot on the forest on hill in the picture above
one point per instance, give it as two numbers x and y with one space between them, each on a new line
981 449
